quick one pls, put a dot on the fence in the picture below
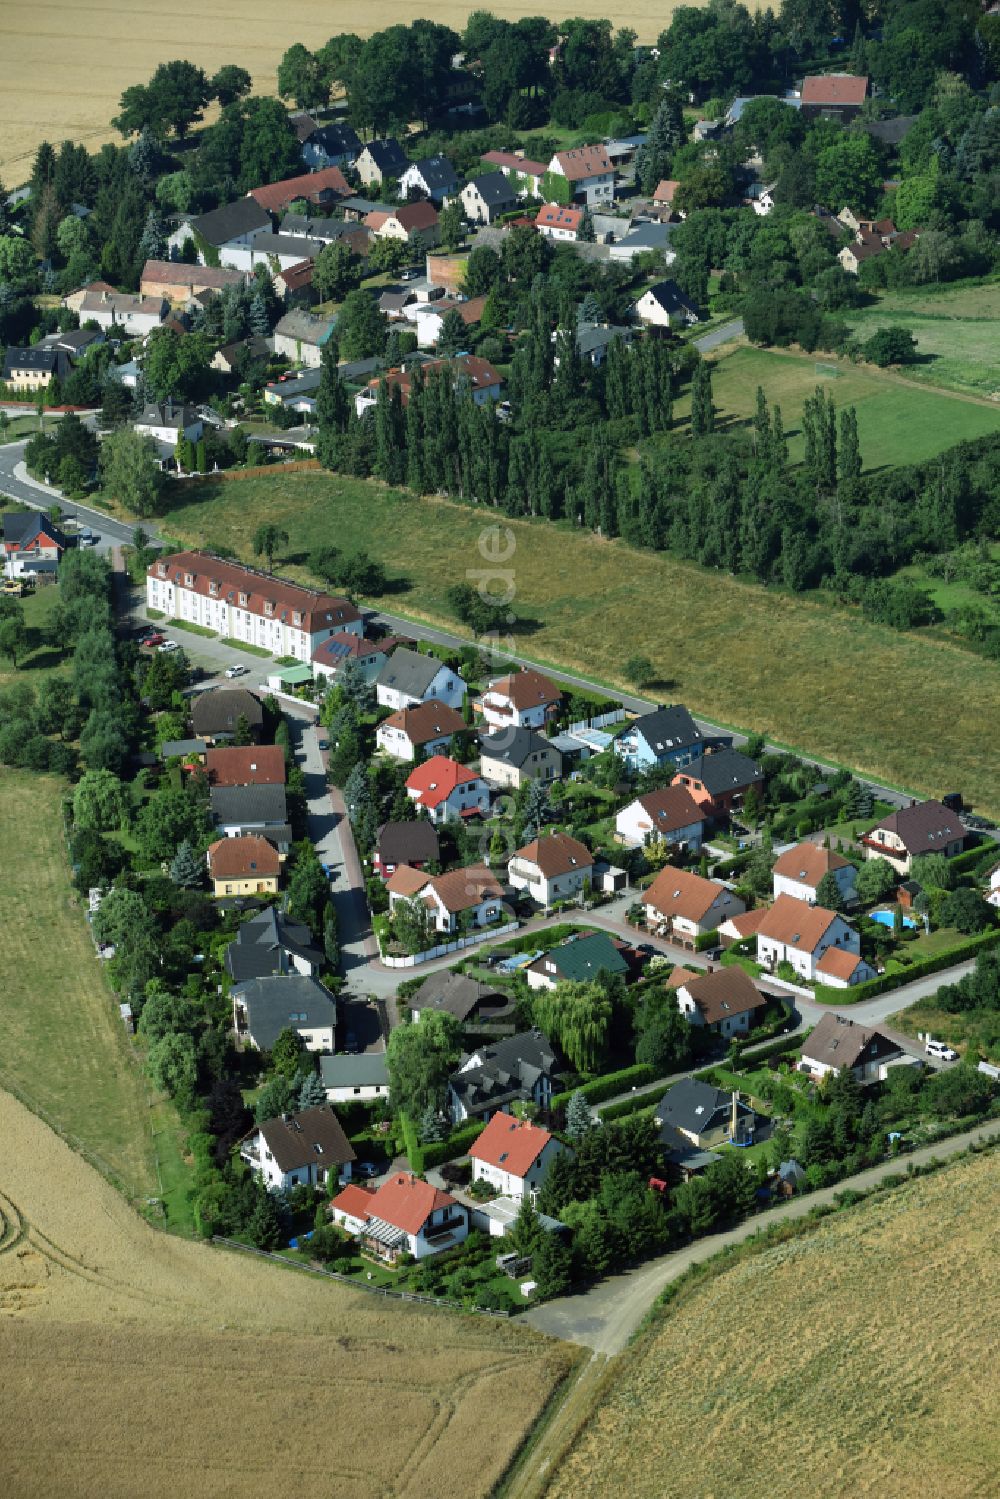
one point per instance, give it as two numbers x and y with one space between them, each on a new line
615 716
348 1280
412 959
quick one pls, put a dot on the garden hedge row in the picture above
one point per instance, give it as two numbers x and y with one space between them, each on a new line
422 1155
950 955
607 1087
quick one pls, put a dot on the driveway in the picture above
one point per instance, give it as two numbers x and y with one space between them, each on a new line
606 1317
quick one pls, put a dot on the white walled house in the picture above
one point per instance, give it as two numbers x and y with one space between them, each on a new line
243 604
838 1044
724 1001
589 172
797 933
167 422
552 867
135 315
474 890
553 221
427 729
304 1149
799 870
665 306
514 1156
409 678
670 815
687 905
447 791
525 176
923 828
524 700
264 1007
405 1216
354 1078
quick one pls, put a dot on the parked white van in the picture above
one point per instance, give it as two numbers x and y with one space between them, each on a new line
941 1050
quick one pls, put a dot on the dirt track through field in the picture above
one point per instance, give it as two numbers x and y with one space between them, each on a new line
213 1374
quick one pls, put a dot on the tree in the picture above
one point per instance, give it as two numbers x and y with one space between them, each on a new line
454 334
13 637
17 259
172 100
169 819
892 345
331 938
828 893
312 1094
586 232
412 926
361 328
640 670
302 77
451 225
187 869
579 1121
578 1016
966 910
266 540
101 802
526 1233
172 1063
277 1096
552 1266
536 802
308 888
176 366
336 271
230 83
419 1059
663 1034
389 255
286 1053
130 471
932 871
702 410
848 171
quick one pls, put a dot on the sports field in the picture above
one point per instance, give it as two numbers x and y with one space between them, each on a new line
137 1363
897 423
905 708
957 331
841 1362
63 65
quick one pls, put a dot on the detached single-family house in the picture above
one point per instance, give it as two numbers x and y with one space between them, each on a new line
665 306
645 239
406 222
278 252
307 1149
330 658
353 1079
322 189
665 736
427 729
466 999
552 867
216 714
593 340
243 866
670 815
135 315
430 318
31 542
525 176
270 942
447 791
719 781
510 757
589 172
32 369
797 933
234 358
414 843
474 893
433 177
409 678
296 391
703 1115
246 765
513 1156
469 374
922 828
838 1043
553 221
405 1216
169 421
687 905
520 1068
577 961
334 145
799 871
724 1001
663 195
238 810
525 699
486 197
264 1007
301 337
835 96
381 159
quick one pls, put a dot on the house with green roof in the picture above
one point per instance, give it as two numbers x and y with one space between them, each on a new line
579 960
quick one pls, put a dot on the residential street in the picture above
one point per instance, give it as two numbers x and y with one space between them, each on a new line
719 336
605 1317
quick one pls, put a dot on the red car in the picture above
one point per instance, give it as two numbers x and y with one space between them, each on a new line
152 639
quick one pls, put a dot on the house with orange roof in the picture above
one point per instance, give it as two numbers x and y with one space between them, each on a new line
842 970
473 895
799 870
833 96
426 728
724 1001
687 906
554 221
738 928
552 867
797 933
670 815
243 866
589 172
524 700
513 1155
405 1216
246 765
524 175
447 791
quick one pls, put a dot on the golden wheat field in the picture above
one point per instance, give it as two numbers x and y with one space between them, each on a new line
64 63
859 1359
134 1363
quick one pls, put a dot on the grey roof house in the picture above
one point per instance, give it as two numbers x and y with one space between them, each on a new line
415 843
271 943
264 1007
408 678
215 714
520 1067
379 159
252 809
454 994
435 177
233 221
347 1078
304 1149
485 198
702 1114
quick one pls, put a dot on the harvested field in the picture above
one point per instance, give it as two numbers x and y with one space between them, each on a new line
846 1361
63 67
211 1373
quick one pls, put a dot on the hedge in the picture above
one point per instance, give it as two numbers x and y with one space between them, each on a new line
882 985
970 859
606 1087
432 1153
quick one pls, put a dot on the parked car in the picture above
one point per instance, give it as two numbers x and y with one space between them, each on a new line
941 1050
168 645
322 741
237 671
153 638
365 1168
410 274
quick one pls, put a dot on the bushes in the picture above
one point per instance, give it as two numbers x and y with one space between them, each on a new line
887 981
422 1156
606 1087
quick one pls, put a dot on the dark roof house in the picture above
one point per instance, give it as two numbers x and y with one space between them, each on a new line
580 959
217 712
414 843
512 746
220 225
268 943
456 995
276 1003
522 1067
305 1139
701 1112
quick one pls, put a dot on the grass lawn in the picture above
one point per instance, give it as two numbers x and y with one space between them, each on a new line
956 328
899 706
896 423
40 658
65 1050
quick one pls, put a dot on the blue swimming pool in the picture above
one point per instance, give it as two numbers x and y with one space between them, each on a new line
887 918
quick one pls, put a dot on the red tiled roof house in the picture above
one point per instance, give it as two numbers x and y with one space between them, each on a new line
405 1216
514 1156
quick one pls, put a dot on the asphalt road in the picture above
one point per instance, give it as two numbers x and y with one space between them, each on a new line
605 1317
719 336
15 482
